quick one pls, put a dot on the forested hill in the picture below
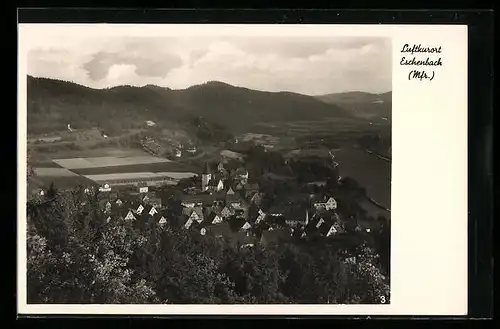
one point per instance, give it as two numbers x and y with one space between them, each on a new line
361 104
52 104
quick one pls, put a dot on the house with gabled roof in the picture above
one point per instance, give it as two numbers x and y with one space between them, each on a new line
247 226
195 217
162 220
238 186
260 217
227 211
332 230
130 216
107 206
152 211
145 197
235 203
197 214
320 222
325 203
139 209
215 218
188 223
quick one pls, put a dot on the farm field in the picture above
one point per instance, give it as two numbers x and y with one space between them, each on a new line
109 161
68 169
37 156
371 172
139 175
326 126
145 167
54 172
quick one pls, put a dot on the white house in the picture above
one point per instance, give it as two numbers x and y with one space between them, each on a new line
196 215
226 212
330 204
105 188
331 231
143 189
130 216
260 218
246 226
320 222
162 220
236 204
119 202
107 207
220 185
153 211
140 209
217 219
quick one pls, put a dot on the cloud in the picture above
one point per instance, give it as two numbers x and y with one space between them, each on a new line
97 68
312 66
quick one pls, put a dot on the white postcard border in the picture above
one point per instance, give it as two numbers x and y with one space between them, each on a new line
429 171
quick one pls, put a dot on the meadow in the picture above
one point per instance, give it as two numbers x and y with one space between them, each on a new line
144 167
139 175
67 169
109 161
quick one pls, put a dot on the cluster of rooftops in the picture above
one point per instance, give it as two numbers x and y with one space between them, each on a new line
237 216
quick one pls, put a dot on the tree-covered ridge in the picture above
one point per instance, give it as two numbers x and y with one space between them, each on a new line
75 255
52 104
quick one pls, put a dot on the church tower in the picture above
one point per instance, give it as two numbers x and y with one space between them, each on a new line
206 176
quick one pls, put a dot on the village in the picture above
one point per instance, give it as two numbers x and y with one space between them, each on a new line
227 203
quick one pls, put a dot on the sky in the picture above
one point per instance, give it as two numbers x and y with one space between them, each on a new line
302 64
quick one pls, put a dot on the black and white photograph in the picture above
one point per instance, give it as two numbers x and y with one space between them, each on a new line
206 169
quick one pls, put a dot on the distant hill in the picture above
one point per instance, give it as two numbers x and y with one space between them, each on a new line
52 104
361 104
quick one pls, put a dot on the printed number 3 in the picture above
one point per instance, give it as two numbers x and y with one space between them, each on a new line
382 299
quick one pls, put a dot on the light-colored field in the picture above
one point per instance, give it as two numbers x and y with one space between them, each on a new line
54 172
231 154
322 153
109 161
177 175
139 175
